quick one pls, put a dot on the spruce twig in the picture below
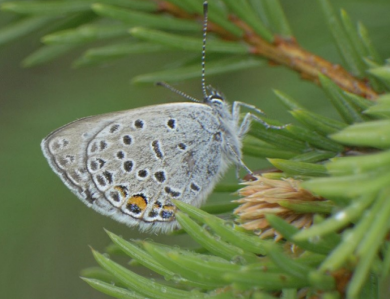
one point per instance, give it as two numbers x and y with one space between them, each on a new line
285 51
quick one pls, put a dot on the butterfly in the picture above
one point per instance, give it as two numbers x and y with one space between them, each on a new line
129 165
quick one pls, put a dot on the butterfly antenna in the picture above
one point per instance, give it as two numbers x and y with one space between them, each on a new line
204 88
171 88
205 19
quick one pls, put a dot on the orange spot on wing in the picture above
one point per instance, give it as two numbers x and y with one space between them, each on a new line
139 201
169 208
120 190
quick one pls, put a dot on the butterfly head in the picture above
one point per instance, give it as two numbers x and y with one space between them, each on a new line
214 98
216 101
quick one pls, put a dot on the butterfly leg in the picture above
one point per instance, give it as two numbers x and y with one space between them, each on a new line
239 166
236 110
248 118
244 127
237 160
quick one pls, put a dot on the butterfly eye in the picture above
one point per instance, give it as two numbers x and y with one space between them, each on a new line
216 100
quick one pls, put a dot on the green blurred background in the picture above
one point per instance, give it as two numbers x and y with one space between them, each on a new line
44 230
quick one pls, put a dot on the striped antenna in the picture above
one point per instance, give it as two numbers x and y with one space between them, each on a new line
205 19
179 92
204 87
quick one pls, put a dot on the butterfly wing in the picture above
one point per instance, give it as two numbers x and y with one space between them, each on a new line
130 164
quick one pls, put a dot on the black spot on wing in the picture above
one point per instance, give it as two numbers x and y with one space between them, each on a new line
152 214
101 181
108 176
128 166
166 214
160 176
195 187
171 192
88 196
171 123
127 139
139 124
115 196
114 128
101 163
157 149
120 155
103 145
143 173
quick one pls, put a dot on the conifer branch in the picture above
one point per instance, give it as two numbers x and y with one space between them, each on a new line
287 52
